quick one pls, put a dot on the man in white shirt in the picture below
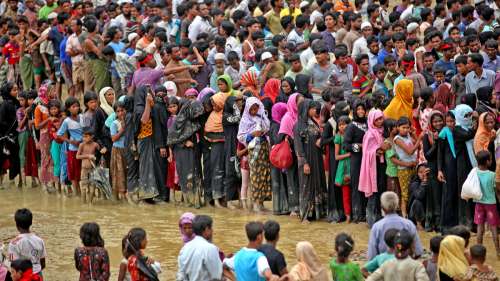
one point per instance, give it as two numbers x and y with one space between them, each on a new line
199 258
360 46
75 51
27 245
122 20
200 24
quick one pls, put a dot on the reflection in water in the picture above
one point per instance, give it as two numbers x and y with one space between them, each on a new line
58 219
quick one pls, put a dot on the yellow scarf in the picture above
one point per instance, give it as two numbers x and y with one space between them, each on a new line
402 103
451 260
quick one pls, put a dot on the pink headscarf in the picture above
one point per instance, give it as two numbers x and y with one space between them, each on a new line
290 118
185 219
372 141
278 111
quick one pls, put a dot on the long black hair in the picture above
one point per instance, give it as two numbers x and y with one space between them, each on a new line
135 237
90 235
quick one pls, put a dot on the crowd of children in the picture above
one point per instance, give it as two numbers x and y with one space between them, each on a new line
200 259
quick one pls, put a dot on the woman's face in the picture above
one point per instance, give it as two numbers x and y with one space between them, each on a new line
110 97
379 122
450 122
254 109
144 243
14 91
437 123
172 108
74 108
286 87
187 228
489 122
360 111
222 86
312 112
404 129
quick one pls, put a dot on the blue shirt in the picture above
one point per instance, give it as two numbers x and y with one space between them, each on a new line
62 51
382 54
117 47
376 243
493 65
487 180
245 265
74 128
449 67
473 82
120 143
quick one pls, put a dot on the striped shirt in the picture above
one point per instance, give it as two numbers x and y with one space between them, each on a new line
361 83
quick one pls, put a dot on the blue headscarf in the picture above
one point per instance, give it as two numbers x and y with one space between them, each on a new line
447 134
466 123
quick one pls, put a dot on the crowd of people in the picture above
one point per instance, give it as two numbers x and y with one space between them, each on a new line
319 106
395 255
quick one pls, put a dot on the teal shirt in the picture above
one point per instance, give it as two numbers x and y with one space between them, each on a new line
487 180
391 170
378 261
345 271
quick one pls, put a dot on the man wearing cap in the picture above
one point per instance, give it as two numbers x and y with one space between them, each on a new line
49 7
360 46
412 30
446 62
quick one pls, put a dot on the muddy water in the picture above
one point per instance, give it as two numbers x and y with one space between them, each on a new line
57 220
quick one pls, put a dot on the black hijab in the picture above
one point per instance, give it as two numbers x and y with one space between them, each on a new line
230 111
302 83
283 97
355 117
303 120
186 122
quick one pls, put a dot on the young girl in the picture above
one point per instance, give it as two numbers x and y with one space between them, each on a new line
22 120
136 244
118 160
172 176
391 171
92 259
405 146
123 274
55 147
186 227
485 134
90 103
252 131
342 268
22 270
31 165
245 192
486 211
419 186
72 126
343 174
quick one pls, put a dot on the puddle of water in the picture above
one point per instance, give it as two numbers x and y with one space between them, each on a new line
58 219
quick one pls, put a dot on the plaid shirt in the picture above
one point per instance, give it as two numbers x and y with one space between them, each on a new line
125 67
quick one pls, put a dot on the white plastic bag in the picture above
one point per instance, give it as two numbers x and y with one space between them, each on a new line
471 189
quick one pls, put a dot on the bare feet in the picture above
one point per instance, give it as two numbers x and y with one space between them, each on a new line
348 220
293 214
306 221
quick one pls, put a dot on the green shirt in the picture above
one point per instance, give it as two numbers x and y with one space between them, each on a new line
487 180
44 12
345 271
344 165
378 261
392 169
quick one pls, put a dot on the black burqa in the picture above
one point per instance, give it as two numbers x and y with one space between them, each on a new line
353 139
9 146
313 201
230 121
302 82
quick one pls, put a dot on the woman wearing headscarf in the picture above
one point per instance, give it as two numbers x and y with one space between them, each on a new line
182 137
204 92
186 227
372 173
485 135
204 145
287 125
484 100
303 84
430 144
307 143
9 147
469 99
402 103
309 266
143 121
230 121
278 177
463 135
160 119
228 88
253 131
444 99
102 134
42 121
272 89
287 88
335 205
214 134
452 263
250 82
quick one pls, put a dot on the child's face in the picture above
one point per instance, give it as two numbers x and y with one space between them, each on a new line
400 44
54 111
313 113
22 102
391 66
30 101
254 109
120 113
439 77
74 109
235 64
422 172
188 229
437 123
374 47
379 122
404 129
489 122
342 127
381 75
172 108
450 122
87 138
462 68
16 275
92 105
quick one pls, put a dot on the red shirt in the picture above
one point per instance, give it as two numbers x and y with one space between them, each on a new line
11 52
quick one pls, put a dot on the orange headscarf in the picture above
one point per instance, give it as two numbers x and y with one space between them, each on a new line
402 103
250 82
214 121
483 136
272 89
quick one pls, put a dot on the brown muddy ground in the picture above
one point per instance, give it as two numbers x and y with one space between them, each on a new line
57 220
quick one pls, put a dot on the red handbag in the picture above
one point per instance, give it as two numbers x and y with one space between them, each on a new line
281 155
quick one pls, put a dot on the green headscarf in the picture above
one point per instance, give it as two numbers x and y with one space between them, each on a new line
229 83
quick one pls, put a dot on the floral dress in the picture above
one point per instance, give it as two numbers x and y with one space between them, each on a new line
93 263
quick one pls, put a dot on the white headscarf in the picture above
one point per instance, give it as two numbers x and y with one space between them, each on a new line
104 104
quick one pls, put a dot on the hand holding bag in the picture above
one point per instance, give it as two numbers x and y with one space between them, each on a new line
471 189
281 155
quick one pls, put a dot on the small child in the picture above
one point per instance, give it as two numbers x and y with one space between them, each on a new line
380 72
431 264
55 145
486 211
123 274
172 176
379 260
439 77
31 165
418 189
458 81
118 153
392 73
406 145
343 173
86 153
478 271
342 268
22 120
390 132
22 270
11 51
246 191
136 244
27 245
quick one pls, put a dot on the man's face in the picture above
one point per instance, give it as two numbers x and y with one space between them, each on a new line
367 31
356 24
176 54
492 53
342 61
455 35
474 46
235 64
30 4
389 45
204 10
126 9
364 66
296 66
429 62
254 27
259 43
470 65
322 57
329 22
400 44
398 29
66 7
449 53
75 27
391 66
374 48
435 42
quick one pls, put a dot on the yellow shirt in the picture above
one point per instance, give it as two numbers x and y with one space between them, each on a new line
257 12
274 23
286 12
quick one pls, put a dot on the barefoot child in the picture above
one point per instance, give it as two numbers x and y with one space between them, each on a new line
431 264
87 154
342 268
478 271
343 174
123 274
419 186
22 121
31 165
172 176
55 145
390 132
486 211
136 244
118 160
